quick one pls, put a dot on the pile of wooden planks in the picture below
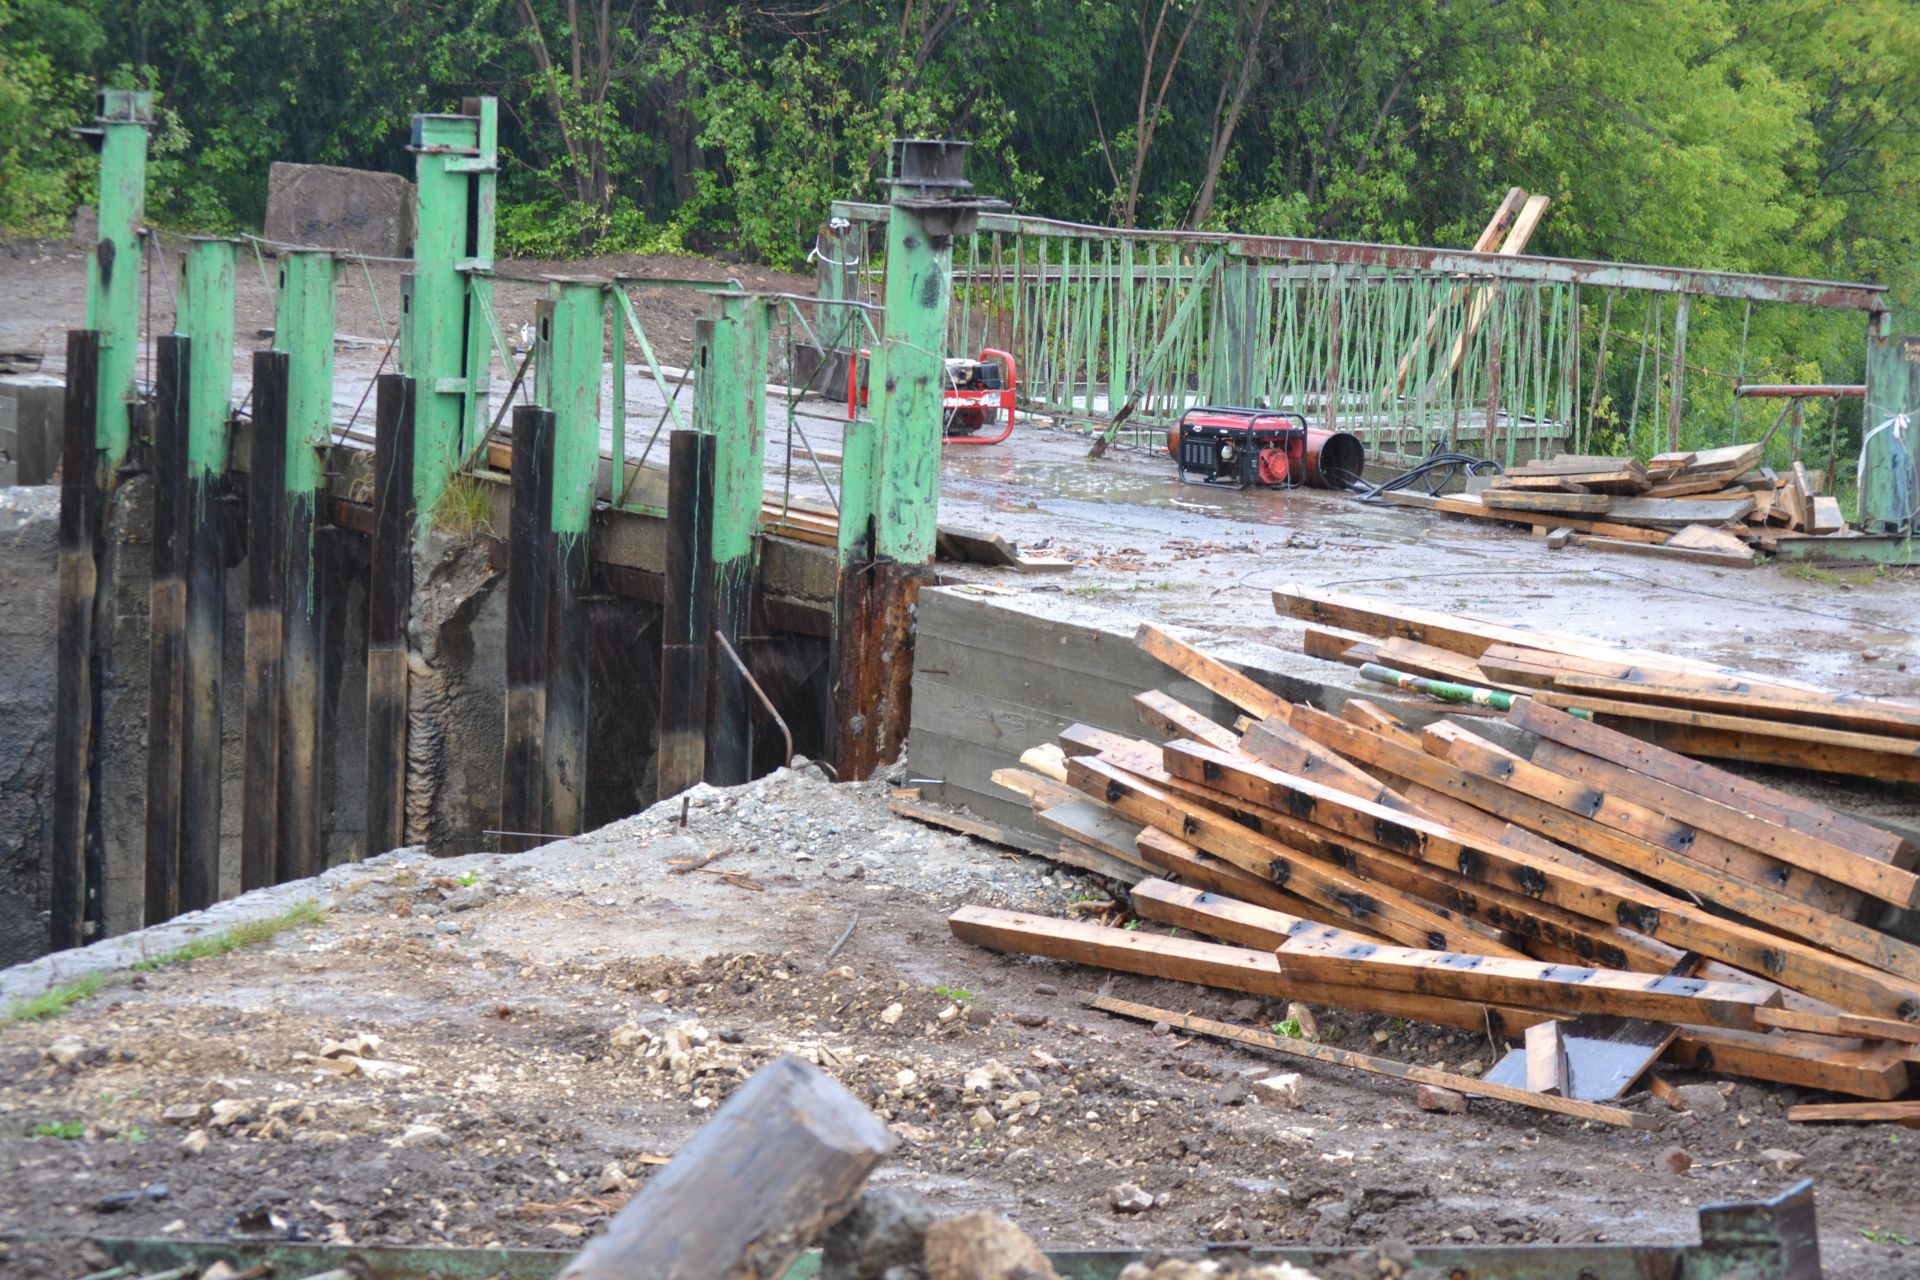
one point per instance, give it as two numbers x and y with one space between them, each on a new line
1714 505
1596 891
1685 706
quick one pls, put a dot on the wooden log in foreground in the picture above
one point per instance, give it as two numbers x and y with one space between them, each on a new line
783 1160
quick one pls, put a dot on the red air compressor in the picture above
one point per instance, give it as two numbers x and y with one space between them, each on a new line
1236 448
978 393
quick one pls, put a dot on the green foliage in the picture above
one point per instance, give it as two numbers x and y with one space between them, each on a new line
55 1001
247 934
44 96
959 995
1288 1028
66 1130
467 879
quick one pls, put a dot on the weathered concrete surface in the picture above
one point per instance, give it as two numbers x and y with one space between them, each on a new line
30 410
336 208
29 590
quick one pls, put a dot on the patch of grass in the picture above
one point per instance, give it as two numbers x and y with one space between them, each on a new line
465 506
1289 1029
467 879
54 1002
1833 577
959 995
249 934
1886 1237
133 1133
66 1130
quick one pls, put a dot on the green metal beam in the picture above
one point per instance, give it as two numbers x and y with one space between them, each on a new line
447 295
303 329
730 404
1890 454
113 268
205 318
575 346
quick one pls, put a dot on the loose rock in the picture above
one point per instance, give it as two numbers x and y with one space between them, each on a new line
1431 1097
1128 1198
1674 1160
1283 1089
983 1246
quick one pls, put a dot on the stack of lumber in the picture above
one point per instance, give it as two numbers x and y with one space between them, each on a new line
1682 705
1712 505
1600 894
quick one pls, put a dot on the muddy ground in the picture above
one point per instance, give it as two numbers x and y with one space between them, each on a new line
550 1025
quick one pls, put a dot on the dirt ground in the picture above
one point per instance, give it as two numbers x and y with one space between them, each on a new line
551 1024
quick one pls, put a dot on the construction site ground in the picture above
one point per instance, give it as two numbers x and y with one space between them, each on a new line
550 1024
526 1004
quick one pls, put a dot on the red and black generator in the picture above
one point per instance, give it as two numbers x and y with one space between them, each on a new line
979 392
1272 449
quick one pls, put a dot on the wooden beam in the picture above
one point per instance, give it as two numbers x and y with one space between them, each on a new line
1208 964
1850 986
1594 1111
1526 983
1650 826
1169 717
1808 747
1209 673
1728 790
787 1155
1811 854
1371 906
1865 716
1907 1113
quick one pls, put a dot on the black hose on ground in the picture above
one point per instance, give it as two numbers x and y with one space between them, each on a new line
1433 473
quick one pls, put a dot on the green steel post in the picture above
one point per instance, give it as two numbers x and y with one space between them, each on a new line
577 349
1890 458
1234 353
444 334
303 330
205 319
113 268
730 404
890 486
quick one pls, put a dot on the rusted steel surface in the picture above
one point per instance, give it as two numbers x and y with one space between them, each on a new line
1813 391
523 771
166 629
389 600
80 504
871 665
204 541
732 656
266 590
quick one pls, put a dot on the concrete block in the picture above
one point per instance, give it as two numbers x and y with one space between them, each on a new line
335 208
31 406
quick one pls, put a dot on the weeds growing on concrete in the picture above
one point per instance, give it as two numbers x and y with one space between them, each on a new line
227 941
54 1002
465 507
57 1000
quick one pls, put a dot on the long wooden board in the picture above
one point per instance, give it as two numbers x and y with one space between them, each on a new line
1730 790
1595 504
1525 983
1209 673
1197 868
1372 906
1861 716
1811 854
1650 825
1208 964
1817 748
1172 718
1593 1111
1474 509
1846 984
1610 833
1907 1112
1090 823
